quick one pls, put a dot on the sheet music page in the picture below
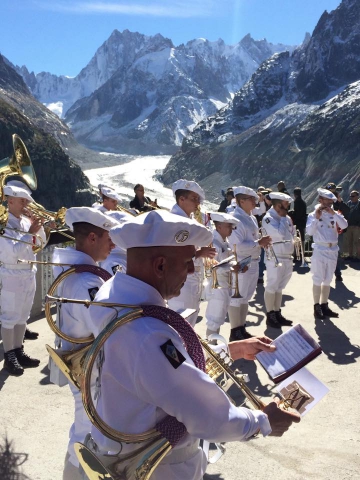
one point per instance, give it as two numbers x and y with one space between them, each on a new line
291 348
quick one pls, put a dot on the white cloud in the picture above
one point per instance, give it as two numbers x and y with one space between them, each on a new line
156 8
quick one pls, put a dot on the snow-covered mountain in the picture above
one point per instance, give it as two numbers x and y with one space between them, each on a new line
142 94
295 119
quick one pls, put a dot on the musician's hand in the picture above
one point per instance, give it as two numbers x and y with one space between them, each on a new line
318 212
205 252
250 347
36 224
154 204
280 420
236 268
265 241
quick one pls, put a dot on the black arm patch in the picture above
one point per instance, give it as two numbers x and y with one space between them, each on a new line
115 268
175 357
267 220
92 292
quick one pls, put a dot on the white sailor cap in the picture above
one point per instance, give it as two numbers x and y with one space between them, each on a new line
160 228
89 215
326 194
223 217
245 191
109 192
14 191
188 185
119 216
280 196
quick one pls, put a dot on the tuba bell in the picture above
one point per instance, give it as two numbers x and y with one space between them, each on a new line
19 164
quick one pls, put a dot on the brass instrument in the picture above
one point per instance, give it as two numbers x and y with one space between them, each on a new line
269 251
119 208
141 463
19 164
299 249
237 293
210 272
57 219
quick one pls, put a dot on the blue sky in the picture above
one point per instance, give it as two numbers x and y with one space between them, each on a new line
61 36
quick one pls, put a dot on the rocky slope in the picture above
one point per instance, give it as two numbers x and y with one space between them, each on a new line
60 179
295 119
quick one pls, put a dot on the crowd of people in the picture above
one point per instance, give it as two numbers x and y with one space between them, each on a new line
152 369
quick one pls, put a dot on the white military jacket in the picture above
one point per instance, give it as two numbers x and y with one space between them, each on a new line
11 251
324 230
139 385
246 235
73 318
280 228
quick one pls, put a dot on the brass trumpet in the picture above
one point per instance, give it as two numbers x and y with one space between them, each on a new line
269 251
299 249
237 293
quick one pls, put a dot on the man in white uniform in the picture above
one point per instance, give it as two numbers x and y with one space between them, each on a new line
188 196
219 299
17 280
116 260
110 199
247 241
322 224
152 365
92 244
281 230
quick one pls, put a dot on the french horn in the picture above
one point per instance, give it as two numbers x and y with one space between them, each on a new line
140 464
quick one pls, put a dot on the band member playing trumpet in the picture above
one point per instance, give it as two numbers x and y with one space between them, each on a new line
92 245
17 281
220 294
322 224
189 195
247 241
109 199
150 370
282 232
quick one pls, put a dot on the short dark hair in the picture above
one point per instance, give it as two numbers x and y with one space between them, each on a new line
275 201
181 193
83 229
137 186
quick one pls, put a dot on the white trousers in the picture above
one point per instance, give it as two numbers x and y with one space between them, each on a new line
278 277
16 298
217 308
189 297
323 264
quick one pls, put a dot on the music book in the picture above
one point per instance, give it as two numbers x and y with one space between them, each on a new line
295 348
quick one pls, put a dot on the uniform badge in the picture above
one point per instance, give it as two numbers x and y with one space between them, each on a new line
181 236
175 357
267 220
116 268
92 292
